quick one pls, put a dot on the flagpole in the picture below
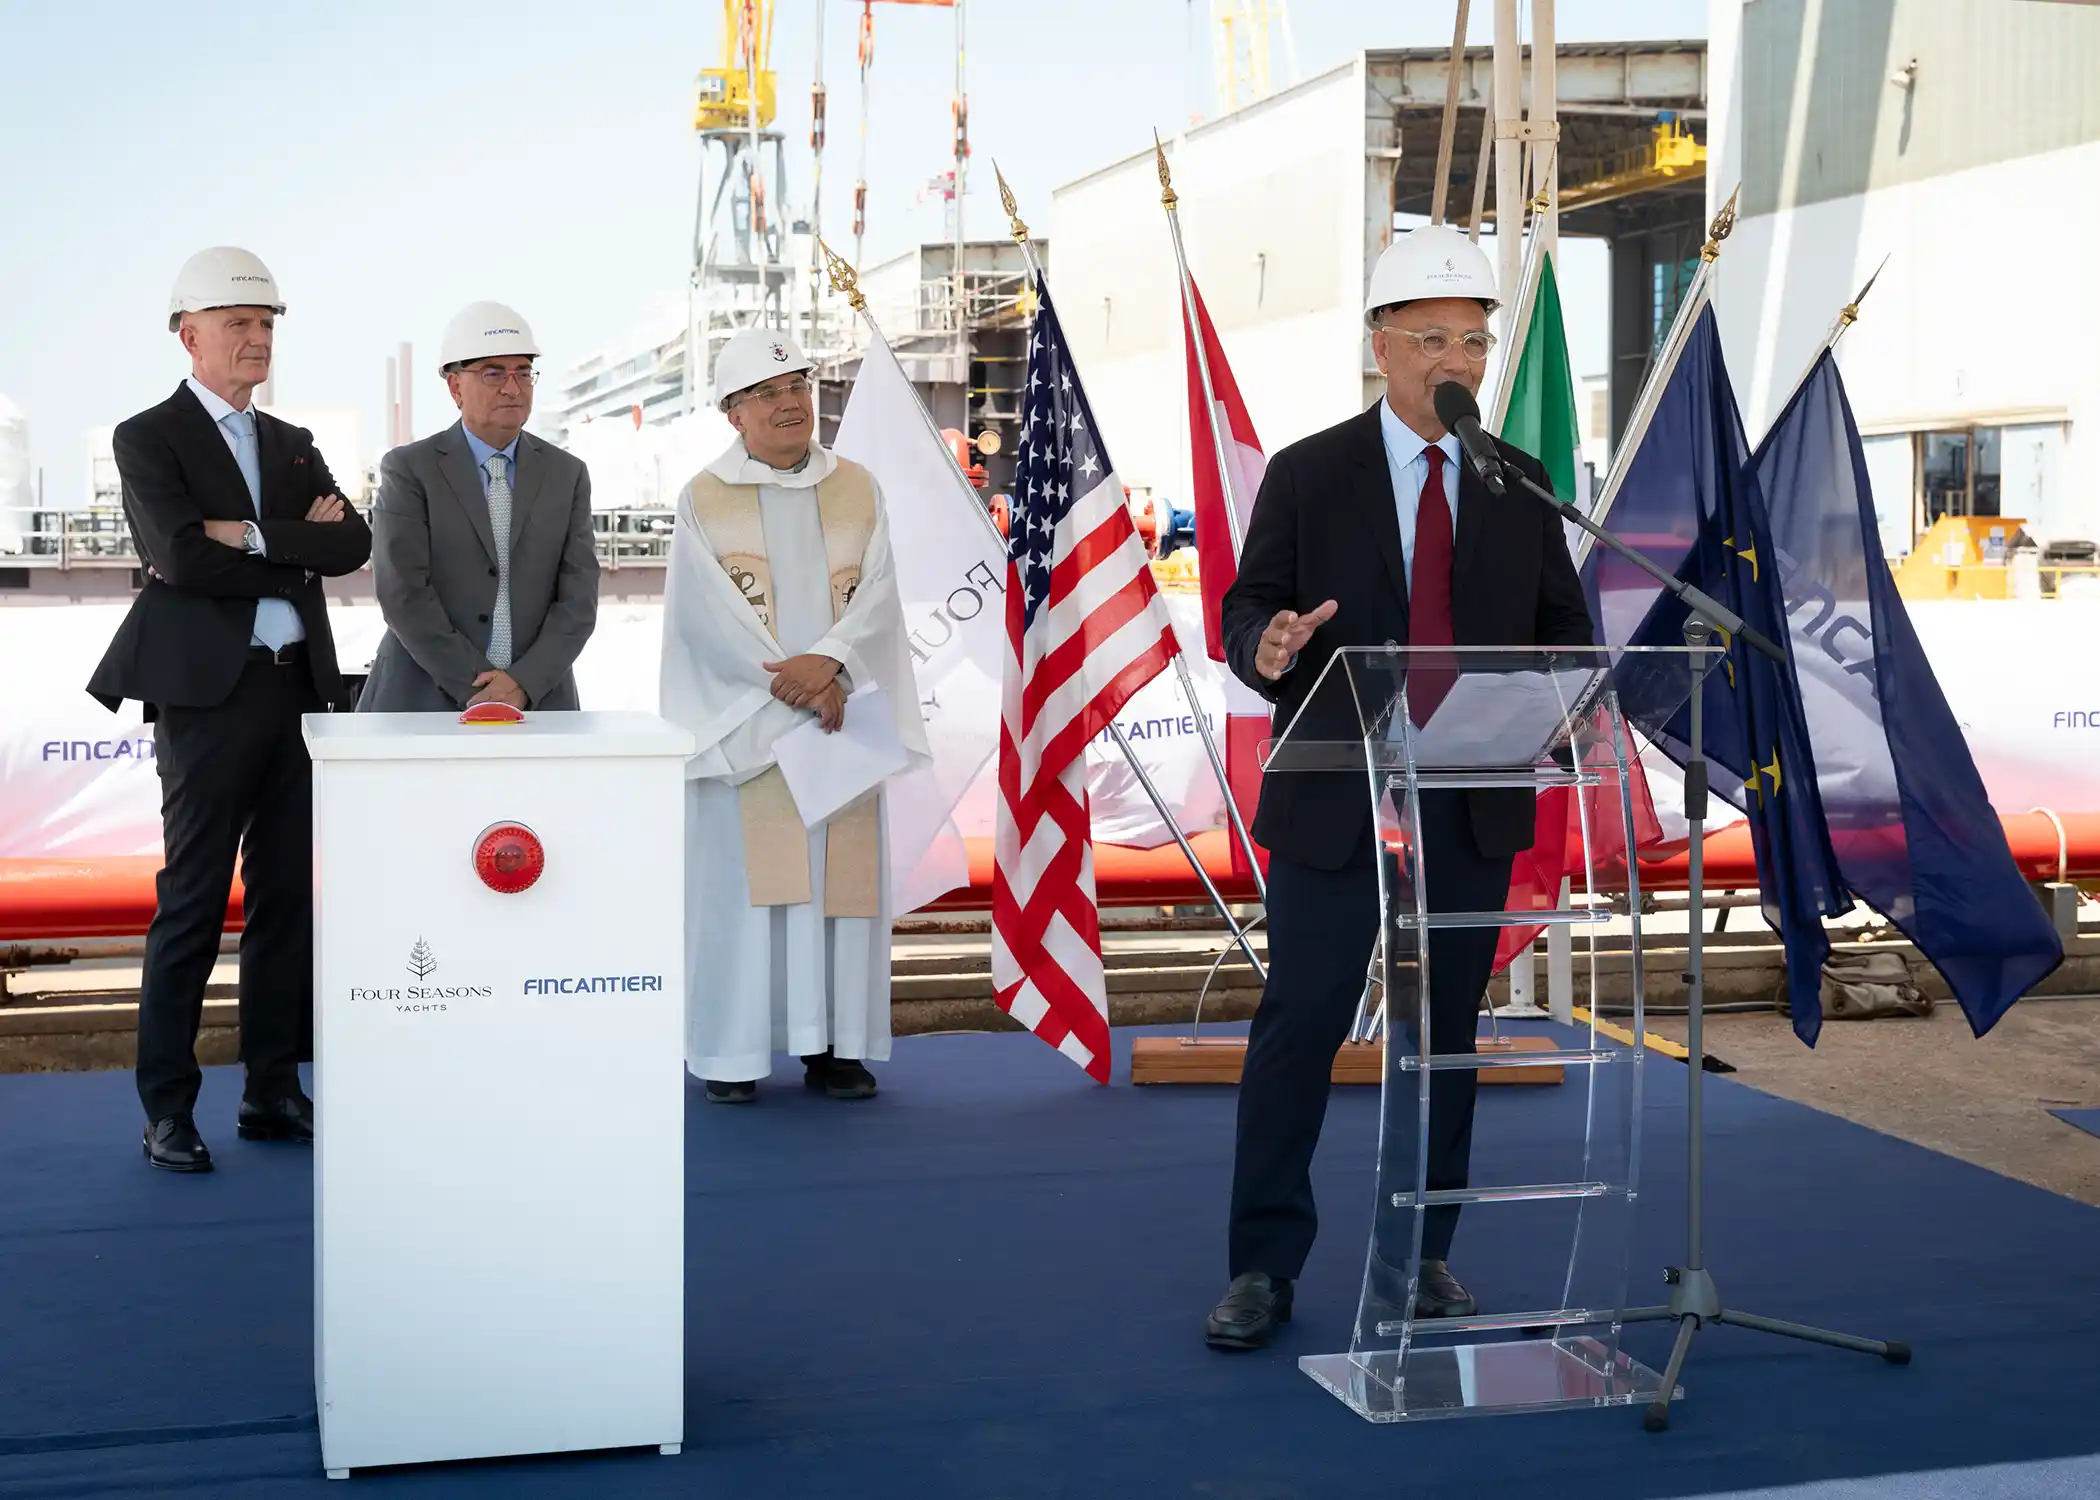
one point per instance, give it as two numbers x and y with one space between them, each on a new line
1847 316
1169 199
1650 397
846 281
1181 666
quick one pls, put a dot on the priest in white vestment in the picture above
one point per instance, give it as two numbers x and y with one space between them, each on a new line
780 602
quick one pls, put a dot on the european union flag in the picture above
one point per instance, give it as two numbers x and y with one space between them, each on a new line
1691 481
1914 832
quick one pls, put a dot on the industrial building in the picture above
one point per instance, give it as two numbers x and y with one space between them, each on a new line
1286 203
1959 144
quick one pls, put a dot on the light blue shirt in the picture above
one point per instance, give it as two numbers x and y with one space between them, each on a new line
483 453
1407 459
277 621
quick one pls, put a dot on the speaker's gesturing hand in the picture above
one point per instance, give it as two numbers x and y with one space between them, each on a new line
1286 637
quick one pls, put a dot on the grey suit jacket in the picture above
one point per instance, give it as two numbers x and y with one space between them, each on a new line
434 569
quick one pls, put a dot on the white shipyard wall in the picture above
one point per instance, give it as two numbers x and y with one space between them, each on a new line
1272 215
1981 315
1984 312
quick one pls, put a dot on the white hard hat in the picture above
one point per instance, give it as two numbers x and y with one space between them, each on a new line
484 330
1433 261
223 276
752 355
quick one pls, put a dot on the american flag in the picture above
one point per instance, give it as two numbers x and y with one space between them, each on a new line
1085 629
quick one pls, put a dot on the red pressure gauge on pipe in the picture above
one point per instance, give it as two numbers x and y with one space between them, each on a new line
509 857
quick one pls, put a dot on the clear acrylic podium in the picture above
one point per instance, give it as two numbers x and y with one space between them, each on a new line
1462 722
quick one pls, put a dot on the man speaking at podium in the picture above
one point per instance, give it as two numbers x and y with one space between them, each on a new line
1370 533
779 603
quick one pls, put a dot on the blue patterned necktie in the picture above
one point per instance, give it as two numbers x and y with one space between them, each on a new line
499 525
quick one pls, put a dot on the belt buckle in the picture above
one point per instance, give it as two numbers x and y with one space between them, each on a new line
281 656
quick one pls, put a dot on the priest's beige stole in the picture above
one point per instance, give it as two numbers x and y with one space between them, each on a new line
776 841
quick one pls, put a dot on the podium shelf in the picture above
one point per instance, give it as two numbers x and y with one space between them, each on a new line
1559 1317
1538 777
1532 1192
1564 916
1459 1062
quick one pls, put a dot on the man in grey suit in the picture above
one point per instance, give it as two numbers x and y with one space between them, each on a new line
481 543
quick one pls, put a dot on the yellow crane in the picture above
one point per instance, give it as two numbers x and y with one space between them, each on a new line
739 93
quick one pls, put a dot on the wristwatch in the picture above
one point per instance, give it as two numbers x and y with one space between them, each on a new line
251 534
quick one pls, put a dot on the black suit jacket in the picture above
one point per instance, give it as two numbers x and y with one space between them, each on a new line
185 641
1325 527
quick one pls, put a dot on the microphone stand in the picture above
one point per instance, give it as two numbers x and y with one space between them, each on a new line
1695 1300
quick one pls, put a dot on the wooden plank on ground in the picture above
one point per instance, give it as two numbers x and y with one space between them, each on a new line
1177 1059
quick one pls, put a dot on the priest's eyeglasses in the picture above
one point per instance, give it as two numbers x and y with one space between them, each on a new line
1435 343
773 395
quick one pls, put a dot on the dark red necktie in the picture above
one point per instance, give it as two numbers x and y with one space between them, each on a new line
1429 594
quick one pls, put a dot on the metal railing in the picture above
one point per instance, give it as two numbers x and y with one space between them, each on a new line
100 537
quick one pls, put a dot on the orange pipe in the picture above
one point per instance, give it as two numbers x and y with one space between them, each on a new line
103 898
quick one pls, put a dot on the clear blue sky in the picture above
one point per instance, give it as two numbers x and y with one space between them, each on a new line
394 159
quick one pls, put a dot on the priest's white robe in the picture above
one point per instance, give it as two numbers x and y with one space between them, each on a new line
767 979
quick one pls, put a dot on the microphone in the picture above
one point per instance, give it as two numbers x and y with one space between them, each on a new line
1457 410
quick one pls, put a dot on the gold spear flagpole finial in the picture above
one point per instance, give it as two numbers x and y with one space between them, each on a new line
844 279
1723 224
1013 212
1167 194
1850 315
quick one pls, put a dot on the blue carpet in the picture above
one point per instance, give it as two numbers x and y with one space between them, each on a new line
2087 1120
990 1283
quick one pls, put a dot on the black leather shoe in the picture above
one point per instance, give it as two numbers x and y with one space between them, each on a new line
1246 1317
741 1092
290 1118
839 1077
173 1145
1438 1294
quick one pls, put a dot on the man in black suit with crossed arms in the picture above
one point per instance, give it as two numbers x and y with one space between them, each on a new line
1375 532
227 644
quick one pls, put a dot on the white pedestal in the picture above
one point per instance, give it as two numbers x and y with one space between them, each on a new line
499 1169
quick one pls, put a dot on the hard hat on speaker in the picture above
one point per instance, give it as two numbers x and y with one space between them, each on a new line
484 330
223 276
1433 261
752 355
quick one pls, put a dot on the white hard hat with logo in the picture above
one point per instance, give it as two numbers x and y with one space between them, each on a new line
753 355
1433 261
223 276
484 330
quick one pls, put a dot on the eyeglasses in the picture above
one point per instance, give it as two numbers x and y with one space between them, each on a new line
773 395
495 377
1435 343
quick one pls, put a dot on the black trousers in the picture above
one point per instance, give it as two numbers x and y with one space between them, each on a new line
1322 925
234 780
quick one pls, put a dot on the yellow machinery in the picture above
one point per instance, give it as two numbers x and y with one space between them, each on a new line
726 93
1671 154
1962 557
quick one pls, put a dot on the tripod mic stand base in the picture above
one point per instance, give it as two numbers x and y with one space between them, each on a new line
1695 1302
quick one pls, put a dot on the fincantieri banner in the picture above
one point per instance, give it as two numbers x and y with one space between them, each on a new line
78 782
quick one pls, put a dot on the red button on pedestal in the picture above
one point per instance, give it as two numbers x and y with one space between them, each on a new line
509 857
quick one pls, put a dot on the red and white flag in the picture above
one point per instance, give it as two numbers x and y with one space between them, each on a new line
1223 503
1085 629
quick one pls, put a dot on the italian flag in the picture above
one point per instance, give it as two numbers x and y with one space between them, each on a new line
1539 417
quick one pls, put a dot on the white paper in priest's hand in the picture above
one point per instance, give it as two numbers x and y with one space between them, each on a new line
825 772
1498 718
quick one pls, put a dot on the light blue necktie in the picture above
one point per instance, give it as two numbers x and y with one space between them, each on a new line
276 620
499 529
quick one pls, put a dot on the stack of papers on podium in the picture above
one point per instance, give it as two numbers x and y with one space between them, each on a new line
826 772
1500 718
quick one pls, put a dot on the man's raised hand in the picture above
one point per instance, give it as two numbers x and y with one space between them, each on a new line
1286 637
